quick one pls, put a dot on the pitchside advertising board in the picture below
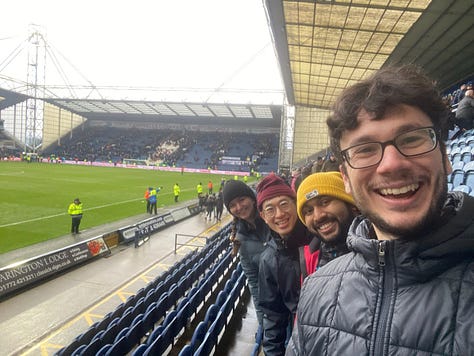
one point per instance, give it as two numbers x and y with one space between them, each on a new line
24 273
140 233
19 275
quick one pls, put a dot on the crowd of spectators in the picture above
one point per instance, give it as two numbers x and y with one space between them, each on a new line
453 98
196 149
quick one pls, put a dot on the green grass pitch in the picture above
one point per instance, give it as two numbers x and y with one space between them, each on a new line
34 197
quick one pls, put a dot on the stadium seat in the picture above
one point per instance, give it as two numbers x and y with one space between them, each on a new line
140 350
93 347
79 350
198 335
469 179
126 319
173 294
139 307
211 314
121 333
150 317
186 351
154 334
103 350
150 297
110 334
466 155
462 188
455 155
221 298
157 347
457 177
87 336
104 323
134 335
119 347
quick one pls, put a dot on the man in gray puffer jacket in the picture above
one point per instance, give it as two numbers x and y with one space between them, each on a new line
407 285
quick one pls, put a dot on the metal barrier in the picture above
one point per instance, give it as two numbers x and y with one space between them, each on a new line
176 244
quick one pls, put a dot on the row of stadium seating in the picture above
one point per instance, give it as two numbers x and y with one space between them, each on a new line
206 336
133 319
461 155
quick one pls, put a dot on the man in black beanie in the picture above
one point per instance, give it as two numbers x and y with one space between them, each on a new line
249 235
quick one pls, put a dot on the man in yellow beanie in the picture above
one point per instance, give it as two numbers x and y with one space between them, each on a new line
327 211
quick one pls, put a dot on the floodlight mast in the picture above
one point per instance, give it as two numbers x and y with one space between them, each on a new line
35 87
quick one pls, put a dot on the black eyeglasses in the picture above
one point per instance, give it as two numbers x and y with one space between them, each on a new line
410 144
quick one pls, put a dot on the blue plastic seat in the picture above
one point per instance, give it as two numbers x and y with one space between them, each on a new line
211 314
93 347
154 334
140 350
159 345
134 335
457 178
462 188
79 350
103 350
198 335
119 347
110 334
469 179
186 351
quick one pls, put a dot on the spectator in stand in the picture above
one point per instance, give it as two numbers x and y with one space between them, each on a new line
249 235
279 279
176 191
75 211
318 165
331 164
406 286
460 94
465 111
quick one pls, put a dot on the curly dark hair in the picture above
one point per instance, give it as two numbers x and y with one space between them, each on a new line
385 89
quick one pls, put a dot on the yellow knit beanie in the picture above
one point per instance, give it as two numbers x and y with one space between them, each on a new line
324 183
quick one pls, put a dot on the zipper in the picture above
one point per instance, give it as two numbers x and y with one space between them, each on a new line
386 275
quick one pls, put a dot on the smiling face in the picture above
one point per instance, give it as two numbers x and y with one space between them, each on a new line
328 217
401 195
280 214
244 208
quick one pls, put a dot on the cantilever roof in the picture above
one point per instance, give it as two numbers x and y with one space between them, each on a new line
165 111
325 45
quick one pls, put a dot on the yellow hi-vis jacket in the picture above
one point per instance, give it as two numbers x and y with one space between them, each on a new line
75 209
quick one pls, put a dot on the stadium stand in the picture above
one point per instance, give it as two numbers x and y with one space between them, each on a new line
461 156
182 292
200 150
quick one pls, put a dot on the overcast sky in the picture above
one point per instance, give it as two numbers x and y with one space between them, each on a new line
217 45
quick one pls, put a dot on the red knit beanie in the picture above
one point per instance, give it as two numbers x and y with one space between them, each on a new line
270 187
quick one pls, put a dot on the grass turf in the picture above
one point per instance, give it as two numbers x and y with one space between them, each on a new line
34 197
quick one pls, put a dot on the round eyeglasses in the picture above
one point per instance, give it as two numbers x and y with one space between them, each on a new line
270 210
410 144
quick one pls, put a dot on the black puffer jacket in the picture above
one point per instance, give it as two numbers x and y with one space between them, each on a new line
394 297
279 287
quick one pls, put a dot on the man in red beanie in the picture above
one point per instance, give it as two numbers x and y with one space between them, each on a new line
279 270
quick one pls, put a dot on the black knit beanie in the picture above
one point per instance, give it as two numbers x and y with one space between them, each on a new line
235 188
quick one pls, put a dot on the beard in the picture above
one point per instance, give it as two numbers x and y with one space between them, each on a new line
343 228
425 224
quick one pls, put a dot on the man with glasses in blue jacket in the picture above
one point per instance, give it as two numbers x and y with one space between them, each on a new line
406 286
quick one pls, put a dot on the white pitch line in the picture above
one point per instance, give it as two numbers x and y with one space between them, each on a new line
89 209
56 215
